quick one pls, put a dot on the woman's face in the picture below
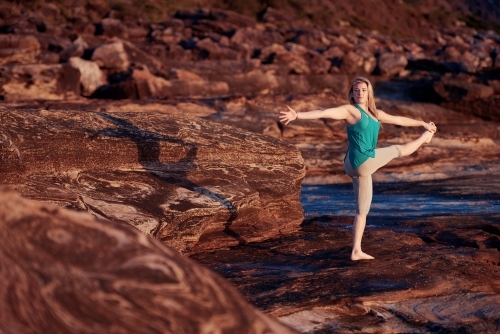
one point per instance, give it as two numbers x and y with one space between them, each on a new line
360 93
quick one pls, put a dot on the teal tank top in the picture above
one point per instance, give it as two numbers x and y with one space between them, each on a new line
362 138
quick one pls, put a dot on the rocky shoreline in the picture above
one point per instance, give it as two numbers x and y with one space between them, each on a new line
172 127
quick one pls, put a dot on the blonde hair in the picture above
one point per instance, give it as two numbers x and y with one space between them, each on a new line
370 101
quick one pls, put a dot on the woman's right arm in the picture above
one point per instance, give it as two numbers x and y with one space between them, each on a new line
338 113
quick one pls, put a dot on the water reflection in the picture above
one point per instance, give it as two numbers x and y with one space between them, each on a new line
339 200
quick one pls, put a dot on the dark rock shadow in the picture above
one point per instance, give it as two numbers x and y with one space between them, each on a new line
148 153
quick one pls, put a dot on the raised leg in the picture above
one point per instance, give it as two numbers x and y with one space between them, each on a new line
411 147
357 234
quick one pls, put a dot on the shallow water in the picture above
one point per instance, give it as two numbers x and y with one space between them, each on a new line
339 200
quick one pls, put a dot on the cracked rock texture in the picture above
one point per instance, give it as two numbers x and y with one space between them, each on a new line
68 272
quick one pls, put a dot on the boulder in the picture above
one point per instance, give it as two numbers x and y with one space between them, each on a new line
486 108
193 184
278 54
16 49
208 49
76 49
68 272
111 56
112 27
91 76
39 82
391 64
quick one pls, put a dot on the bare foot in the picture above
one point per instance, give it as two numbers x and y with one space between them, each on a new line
360 255
428 136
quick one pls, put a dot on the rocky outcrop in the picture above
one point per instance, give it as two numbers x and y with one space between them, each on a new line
68 272
193 184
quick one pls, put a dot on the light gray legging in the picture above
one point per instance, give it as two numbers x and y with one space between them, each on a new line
362 176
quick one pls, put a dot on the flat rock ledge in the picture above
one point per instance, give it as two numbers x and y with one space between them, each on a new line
69 272
193 184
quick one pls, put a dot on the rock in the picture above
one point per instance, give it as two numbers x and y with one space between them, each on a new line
167 36
278 54
111 56
260 36
351 63
390 64
161 88
454 90
91 76
112 27
48 58
486 108
213 70
208 49
232 17
250 83
34 82
94 269
193 184
76 49
18 49
52 42
317 63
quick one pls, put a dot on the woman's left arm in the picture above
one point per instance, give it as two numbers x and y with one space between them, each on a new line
404 121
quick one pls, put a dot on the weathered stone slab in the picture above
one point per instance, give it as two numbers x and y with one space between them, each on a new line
39 82
67 272
191 183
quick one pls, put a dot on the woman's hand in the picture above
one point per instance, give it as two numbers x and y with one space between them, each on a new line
430 127
288 116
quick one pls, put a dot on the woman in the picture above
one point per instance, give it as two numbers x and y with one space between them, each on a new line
363 120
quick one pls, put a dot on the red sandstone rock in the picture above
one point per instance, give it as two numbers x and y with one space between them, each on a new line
18 49
113 28
193 184
104 277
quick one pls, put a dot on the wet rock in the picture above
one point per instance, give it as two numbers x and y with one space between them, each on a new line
47 82
111 56
193 184
91 76
18 49
391 64
96 269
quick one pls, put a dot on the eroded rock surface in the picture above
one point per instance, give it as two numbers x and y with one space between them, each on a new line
69 272
191 183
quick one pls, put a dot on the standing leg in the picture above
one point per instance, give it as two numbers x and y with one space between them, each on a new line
363 191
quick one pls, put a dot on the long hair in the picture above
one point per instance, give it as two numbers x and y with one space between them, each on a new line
370 101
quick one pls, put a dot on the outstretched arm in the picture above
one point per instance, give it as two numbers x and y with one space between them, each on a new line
338 113
404 121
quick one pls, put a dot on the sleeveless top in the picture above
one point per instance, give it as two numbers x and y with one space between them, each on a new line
362 138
